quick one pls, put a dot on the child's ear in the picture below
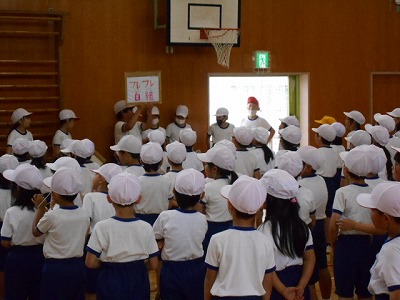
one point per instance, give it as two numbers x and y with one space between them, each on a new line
109 199
138 199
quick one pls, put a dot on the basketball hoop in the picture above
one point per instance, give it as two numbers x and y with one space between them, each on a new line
222 39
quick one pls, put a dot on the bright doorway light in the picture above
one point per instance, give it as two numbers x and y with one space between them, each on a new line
232 92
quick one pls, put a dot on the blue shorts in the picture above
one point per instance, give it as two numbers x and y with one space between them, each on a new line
149 218
213 228
63 279
123 281
3 253
332 184
182 279
319 241
290 276
351 265
22 274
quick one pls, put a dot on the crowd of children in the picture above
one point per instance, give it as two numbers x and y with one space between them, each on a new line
235 222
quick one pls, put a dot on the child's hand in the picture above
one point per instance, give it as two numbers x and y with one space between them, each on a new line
289 293
346 224
39 201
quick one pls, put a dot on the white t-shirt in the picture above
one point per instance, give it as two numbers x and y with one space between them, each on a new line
374 181
122 240
218 133
145 134
246 163
282 261
258 152
87 181
171 175
306 202
346 205
17 227
97 207
92 165
183 232
216 205
5 202
172 131
316 184
395 142
118 133
15 134
65 229
156 193
385 273
135 170
60 136
331 161
258 122
192 161
242 256
339 149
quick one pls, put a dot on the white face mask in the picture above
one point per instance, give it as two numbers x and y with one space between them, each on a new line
155 121
252 112
179 121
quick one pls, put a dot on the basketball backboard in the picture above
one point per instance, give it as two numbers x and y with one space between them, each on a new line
185 18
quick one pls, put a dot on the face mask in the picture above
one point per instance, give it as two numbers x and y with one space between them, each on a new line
155 121
179 121
252 112
220 121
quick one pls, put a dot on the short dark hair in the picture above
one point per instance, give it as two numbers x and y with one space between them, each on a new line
186 201
354 176
151 167
242 215
69 198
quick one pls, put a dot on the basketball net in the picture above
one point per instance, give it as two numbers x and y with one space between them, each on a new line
222 40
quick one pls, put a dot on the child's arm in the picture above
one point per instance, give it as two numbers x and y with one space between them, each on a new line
257 174
308 268
6 243
288 293
132 121
267 284
394 295
153 261
211 275
40 204
333 229
92 261
348 224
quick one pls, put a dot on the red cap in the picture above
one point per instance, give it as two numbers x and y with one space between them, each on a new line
252 100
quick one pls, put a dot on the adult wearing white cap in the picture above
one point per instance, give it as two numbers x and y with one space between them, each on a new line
21 122
127 119
221 130
67 122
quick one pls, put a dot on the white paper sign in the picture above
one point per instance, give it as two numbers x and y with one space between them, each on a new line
143 87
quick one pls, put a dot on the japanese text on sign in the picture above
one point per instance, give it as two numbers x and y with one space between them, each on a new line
143 89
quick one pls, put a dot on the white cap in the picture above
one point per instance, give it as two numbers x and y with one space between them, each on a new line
65 144
20 146
222 111
356 116
385 121
280 184
26 176
128 143
340 129
189 182
89 147
65 181
108 171
157 136
64 161
176 152
119 106
260 134
66 114
357 160
18 114
188 136
359 137
243 135
377 158
290 120
37 148
182 111
8 162
124 189
379 134
326 131
292 134
311 156
229 144
384 197
395 113
291 162
246 194
151 153
79 148
155 111
219 155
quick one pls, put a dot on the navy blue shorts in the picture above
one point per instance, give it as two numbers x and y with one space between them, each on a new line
123 281
22 273
63 279
382 297
239 298
182 279
149 218
351 265
319 241
290 276
332 184
3 253
213 228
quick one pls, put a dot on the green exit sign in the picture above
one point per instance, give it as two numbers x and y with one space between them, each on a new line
261 59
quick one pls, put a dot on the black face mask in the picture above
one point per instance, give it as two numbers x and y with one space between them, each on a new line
220 121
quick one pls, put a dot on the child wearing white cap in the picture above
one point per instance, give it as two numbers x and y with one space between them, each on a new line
290 138
337 143
351 271
176 155
240 261
385 212
20 149
65 230
173 129
24 261
120 245
38 150
127 119
219 164
221 130
180 234
312 160
246 163
156 189
261 151
21 122
157 136
396 165
67 122
154 123
188 137
287 121
127 152
289 235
